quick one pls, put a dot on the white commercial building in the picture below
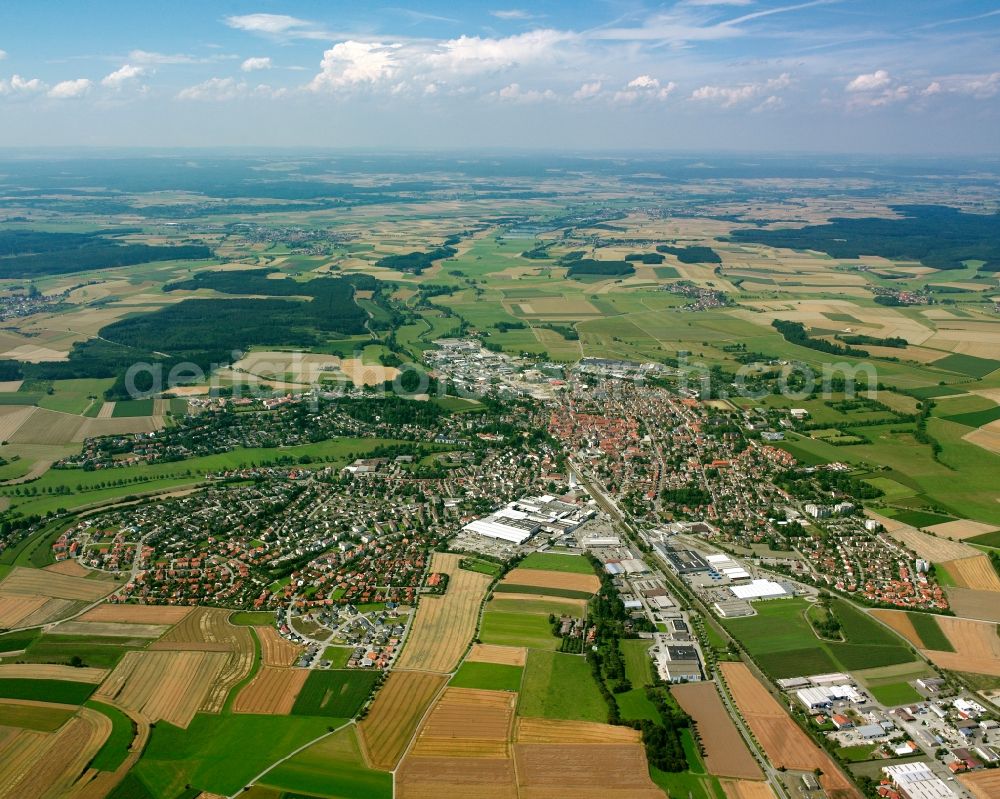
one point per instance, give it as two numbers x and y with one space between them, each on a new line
917 781
758 589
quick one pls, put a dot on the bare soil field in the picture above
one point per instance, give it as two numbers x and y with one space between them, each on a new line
52 671
926 546
468 778
10 385
164 685
125 425
983 784
726 755
505 655
976 643
745 789
273 691
467 722
444 625
555 731
137 614
47 427
899 622
393 717
275 650
71 568
111 629
961 529
975 573
987 437
540 578
558 771
11 419
784 743
575 607
974 604
59 586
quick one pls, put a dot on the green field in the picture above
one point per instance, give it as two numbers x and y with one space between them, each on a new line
930 632
481 566
539 606
856 754
338 656
893 694
968 365
920 518
512 588
123 408
58 691
487 677
115 749
687 785
338 693
784 645
638 663
332 768
44 718
101 652
517 629
560 686
575 564
986 540
220 753
252 618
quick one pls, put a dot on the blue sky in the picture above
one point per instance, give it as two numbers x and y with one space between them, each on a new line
822 75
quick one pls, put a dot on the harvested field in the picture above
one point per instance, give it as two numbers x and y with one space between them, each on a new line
11 419
983 784
52 671
574 607
971 604
977 647
72 568
468 778
900 622
275 650
987 437
164 685
504 655
273 691
137 614
110 629
59 586
467 723
14 608
975 573
926 546
120 426
745 789
553 579
52 610
35 764
444 625
557 731
961 529
784 743
47 427
726 755
558 771
393 717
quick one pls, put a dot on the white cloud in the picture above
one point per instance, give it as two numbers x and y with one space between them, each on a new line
19 85
69 89
514 92
146 57
476 54
870 82
772 103
645 87
588 90
979 86
728 96
353 63
512 13
276 25
119 77
3 54
644 82
718 2
258 62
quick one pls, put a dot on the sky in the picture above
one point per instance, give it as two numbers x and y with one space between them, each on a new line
853 76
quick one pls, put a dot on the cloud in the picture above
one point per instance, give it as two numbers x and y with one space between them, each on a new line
223 89
870 82
276 26
258 62
19 85
69 89
476 54
588 90
514 92
644 87
772 103
512 13
351 63
979 87
146 57
3 54
728 96
121 76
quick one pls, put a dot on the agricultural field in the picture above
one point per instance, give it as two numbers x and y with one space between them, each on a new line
136 614
514 628
982 784
272 691
975 573
726 755
483 676
549 561
393 716
444 626
560 686
504 655
585 583
31 597
275 650
784 743
334 693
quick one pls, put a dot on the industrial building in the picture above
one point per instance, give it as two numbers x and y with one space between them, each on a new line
676 662
917 781
682 561
520 520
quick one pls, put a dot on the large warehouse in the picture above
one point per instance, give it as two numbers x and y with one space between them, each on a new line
760 589
520 520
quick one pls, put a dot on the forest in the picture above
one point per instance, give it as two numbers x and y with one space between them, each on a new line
937 236
416 261
589 266
691 255
32 253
